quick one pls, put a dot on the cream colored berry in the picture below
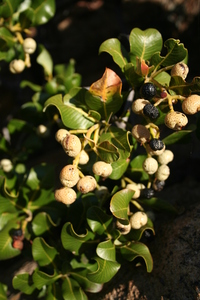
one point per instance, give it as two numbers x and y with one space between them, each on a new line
29 45
71 145
124 229
191 105
154 152
150 165
61 134
43 131
65 195
176 120
134 187
166 157
16 66
83 158
86 184
162 173
138 105
102 168
180 69
140 133
6 165
69 176
138 220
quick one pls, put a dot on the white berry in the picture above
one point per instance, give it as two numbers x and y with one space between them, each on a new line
180 69
69 176
166 157
29 45
138 105
72 145
16 66
150 165
138 220
191 105
86 184
6 165
176 120
134 187
65 195
43 131
124 229
102 168
83 158
61 134
140 133
162 173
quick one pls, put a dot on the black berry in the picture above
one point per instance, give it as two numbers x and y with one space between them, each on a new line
158 185
17 233
156 144
151 111
148 90
148 235
146 193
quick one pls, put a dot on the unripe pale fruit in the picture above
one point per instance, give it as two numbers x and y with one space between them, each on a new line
29 45
176 120
138 220
65 195
124 229
150 165
6 165
141 133
134 187
71 145
180 69
102 168
86 184
16 66
83 158
138 105
43 131
69 176
162 173
191 105
61 134
166 157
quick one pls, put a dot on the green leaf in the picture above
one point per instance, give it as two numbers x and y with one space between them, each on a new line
72 116
107 151
6 249
159 205
176 137
40 278
136 249
119 168
42 223
116 50
143 44
71 290
75 242
98 220
136 170
80 276
8 7
33 86
45 60
41 176
42 252
23 282
120 202
54 292
7 37
106 270
106 250
163 78
134 79
178 85
176 52
136 234
3 291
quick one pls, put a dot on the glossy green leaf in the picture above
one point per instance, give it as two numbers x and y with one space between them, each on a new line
159 205
40 278
24 283
8 7
136 170
176 52
3 291
41 176
75 242
134 79
6 249
7 37
42 223
106 270
119 168
136 249
182 87
144 44
42 252
107 151
176 137
80 275
72 290
45 60
98 220
120 202
116 50
72 116
163 78
54 291
106 250
33 86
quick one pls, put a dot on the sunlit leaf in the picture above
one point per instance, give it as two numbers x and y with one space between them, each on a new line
80 275
119 168
182 87
45 60
7 37
120 202
42 252
3 291
40 278
33 86
136 249
72 290
106 250
176 137
24 283
42 223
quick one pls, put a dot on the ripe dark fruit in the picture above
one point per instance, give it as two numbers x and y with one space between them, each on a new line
17 233
148 90
158 185
146 193
156 144
151 111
